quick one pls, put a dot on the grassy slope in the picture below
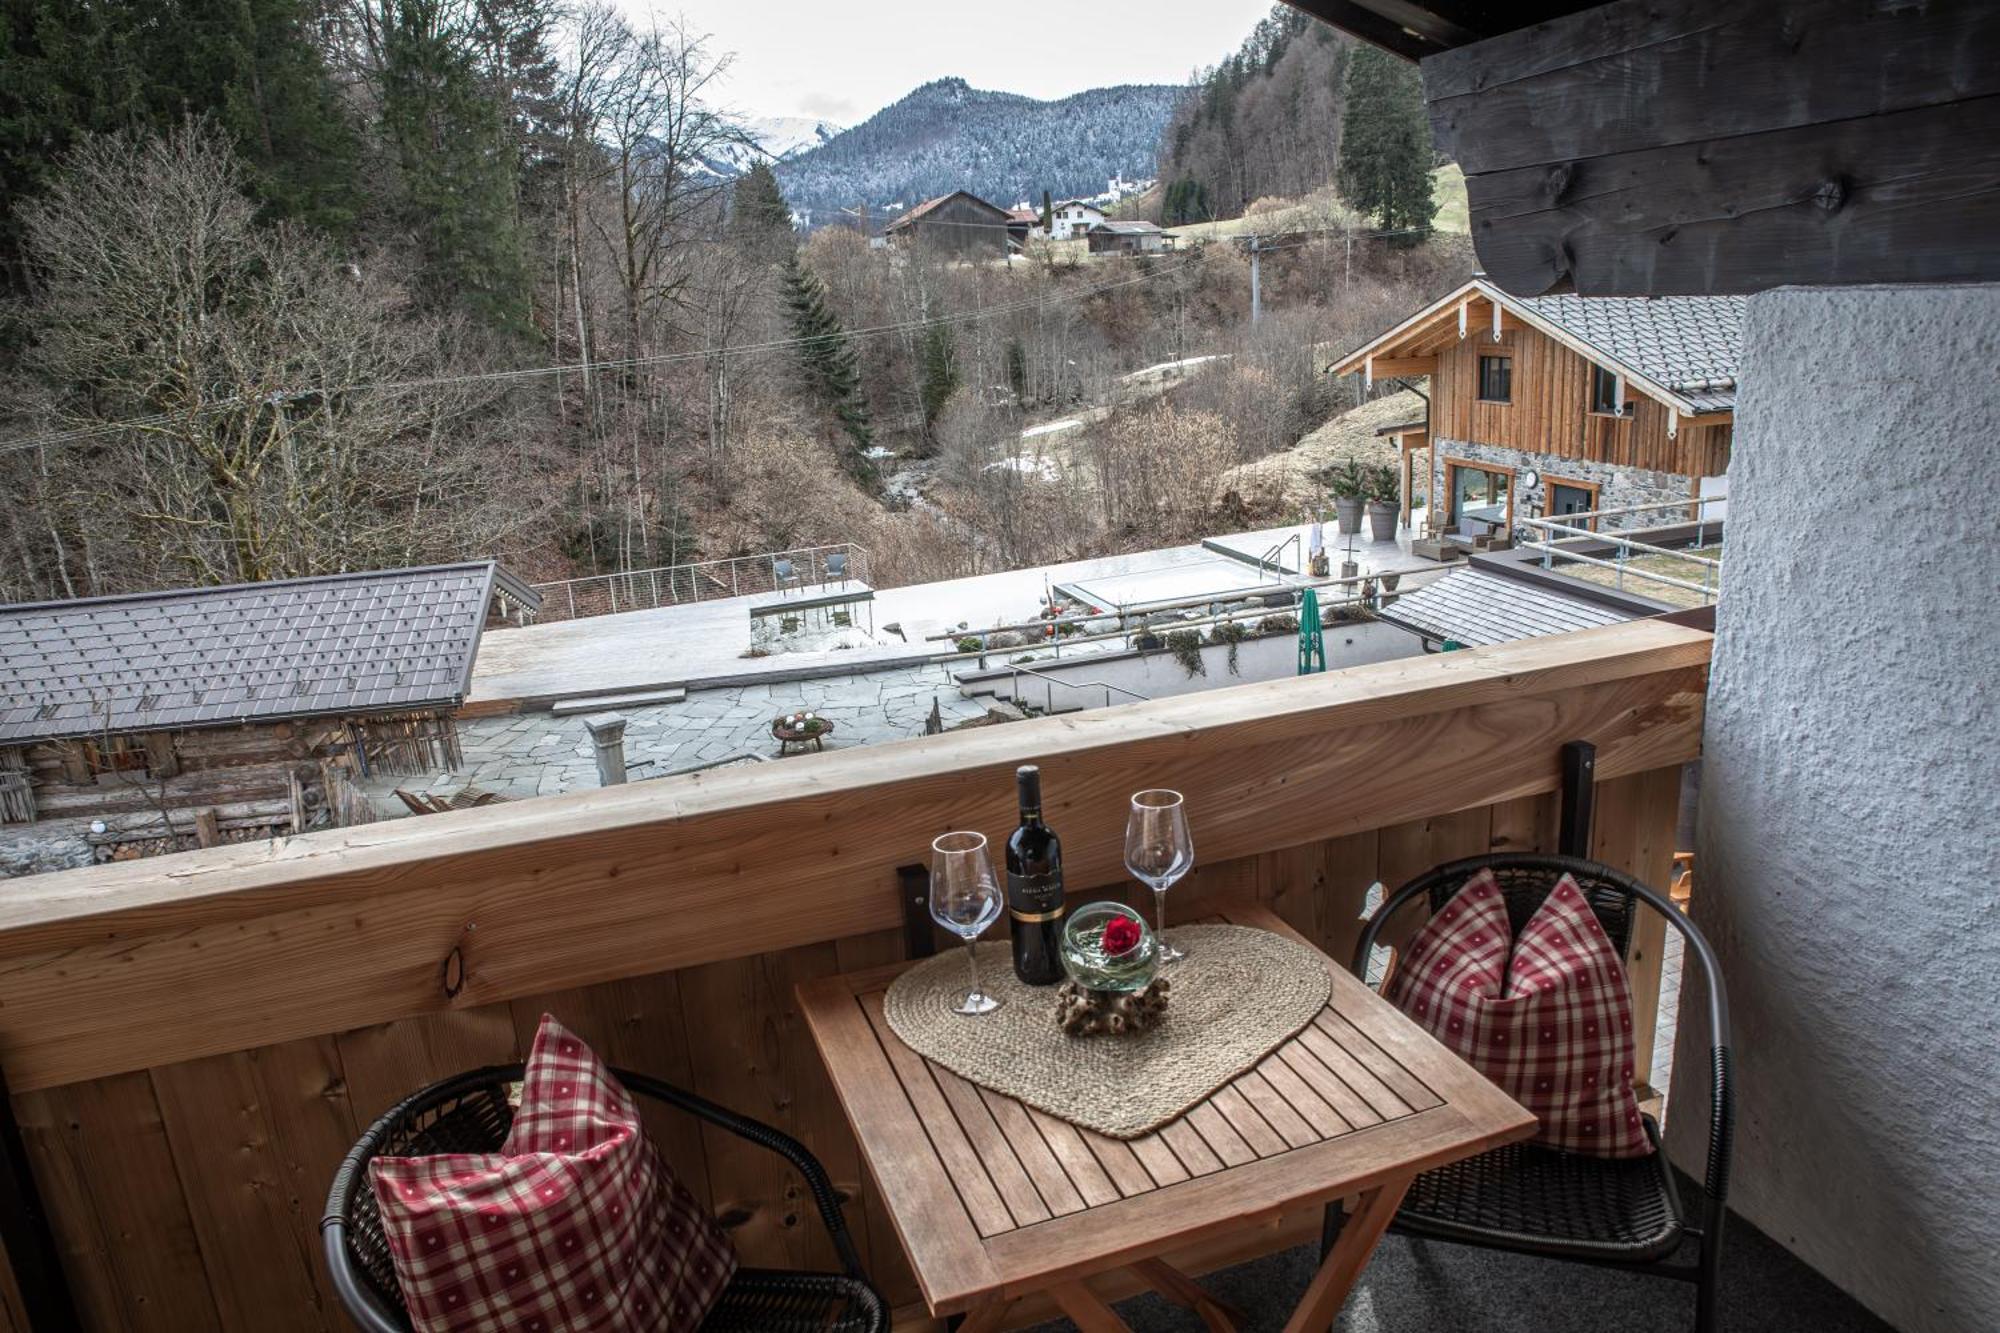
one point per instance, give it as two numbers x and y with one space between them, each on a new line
1322 208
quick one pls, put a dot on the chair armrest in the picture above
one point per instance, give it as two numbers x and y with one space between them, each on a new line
774 1140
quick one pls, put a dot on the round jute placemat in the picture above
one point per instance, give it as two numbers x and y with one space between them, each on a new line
1238 993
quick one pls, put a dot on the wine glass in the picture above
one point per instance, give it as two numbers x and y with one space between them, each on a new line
1158 851
965 900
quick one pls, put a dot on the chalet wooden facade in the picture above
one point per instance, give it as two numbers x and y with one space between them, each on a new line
212 714
958 223
1562 405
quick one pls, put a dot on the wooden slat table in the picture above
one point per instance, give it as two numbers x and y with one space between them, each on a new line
995 1201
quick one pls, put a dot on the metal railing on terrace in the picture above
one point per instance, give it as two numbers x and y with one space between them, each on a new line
1701 567
701 581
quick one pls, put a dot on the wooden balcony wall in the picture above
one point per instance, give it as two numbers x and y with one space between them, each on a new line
194 1043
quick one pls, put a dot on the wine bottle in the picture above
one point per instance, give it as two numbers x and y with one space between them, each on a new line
1035 887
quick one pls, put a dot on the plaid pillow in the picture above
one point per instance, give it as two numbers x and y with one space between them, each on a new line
575 1224
1547 1016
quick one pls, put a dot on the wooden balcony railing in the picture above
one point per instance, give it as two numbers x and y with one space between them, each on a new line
193 1043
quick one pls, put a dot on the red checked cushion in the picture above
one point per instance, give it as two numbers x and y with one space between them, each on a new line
575 1224
1547 1016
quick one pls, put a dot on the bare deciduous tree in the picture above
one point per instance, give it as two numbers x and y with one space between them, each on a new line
248 365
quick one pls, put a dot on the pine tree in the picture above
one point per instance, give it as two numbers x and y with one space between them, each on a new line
458 178
1048 213
1385 146
937 357
758 211
827 362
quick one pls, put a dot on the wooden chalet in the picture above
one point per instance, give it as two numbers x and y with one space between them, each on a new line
1551 405
1127 238
958 223
243 708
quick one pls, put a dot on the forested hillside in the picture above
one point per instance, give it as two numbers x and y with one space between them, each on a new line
949 136
299 286
1297 107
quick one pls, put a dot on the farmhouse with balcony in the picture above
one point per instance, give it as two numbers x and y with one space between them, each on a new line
960 223
222 713
1073 218
1549 405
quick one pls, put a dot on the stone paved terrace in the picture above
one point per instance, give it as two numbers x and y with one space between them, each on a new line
541 754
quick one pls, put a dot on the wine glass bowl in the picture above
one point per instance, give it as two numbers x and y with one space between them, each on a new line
1159 851
965 900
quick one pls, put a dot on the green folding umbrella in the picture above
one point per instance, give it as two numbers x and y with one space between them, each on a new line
1312 642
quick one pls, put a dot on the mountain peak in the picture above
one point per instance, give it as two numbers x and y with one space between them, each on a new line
947 135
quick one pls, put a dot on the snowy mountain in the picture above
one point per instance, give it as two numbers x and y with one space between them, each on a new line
772 139
948 135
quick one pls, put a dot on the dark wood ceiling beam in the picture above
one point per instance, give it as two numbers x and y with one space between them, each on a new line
1356 19
1671 146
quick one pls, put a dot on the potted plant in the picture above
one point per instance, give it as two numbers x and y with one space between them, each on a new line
1384 494
1348 487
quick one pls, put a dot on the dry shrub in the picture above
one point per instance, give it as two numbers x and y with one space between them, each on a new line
787 489
1158 471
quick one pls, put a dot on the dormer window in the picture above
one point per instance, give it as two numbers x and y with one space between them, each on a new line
1607 394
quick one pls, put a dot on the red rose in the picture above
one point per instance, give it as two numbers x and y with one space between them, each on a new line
1121 935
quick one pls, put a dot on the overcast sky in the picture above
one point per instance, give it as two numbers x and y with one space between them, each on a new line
844 60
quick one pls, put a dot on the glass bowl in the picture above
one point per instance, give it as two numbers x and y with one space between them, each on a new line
1090 967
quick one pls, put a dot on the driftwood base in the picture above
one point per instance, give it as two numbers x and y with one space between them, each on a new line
1084 1013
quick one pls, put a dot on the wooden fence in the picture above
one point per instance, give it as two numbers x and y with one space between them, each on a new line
194 1044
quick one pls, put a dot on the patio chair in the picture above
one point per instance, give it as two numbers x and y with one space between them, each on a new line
836 568
784 574
1625 1213
471 1113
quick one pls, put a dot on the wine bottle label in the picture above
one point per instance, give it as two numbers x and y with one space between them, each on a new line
1035 897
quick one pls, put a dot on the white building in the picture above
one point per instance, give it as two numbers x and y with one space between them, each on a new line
1074 217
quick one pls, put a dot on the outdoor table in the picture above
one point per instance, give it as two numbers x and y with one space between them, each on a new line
787 737
995 1201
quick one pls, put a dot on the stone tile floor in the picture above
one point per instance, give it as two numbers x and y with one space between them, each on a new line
540 754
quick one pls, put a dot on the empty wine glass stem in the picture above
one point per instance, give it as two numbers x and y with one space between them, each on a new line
972 962
1160 914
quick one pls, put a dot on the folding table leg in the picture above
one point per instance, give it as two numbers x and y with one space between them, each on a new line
1218 1316
1087 1309
1337 1275
986 1319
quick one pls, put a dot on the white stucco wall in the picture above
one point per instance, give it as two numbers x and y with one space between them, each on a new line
1847 869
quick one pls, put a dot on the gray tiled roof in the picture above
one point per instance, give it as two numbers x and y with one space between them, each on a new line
1689 344
345 643
1475 607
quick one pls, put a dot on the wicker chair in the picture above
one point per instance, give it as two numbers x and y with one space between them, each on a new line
471 1113
1624 1213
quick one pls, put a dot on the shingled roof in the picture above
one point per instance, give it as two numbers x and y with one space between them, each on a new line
1682 350
1690 344
1473 607
390 641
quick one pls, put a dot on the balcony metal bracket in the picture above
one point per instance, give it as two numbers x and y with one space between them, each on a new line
919 937
1579 798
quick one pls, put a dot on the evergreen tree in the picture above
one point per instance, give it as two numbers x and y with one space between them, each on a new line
758 211
1017 370
827 362
1048 213
1385 146
252 67
937 359
458 167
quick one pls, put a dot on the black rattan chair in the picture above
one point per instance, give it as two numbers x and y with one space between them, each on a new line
471 1113
1623 1213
